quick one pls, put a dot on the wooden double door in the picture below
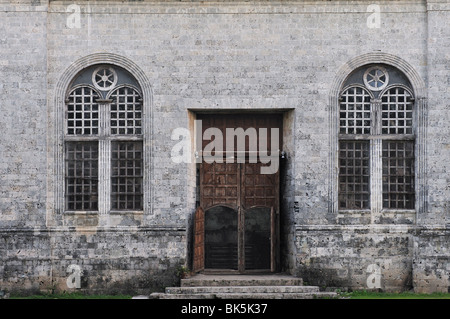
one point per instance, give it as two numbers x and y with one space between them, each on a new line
237 223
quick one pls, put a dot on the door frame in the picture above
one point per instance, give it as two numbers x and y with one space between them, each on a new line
199 240
238 203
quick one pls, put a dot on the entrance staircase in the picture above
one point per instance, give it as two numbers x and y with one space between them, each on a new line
272 286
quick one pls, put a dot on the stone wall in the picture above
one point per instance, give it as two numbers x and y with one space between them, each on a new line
138 260
192 56
377 257
431 265
23 67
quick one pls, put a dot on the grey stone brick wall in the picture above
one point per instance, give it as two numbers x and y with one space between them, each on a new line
373 257
23 67
109 261
192 56
431 266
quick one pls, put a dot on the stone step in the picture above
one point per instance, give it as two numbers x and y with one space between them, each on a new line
162 295
219 286
201 280
241 289
305 295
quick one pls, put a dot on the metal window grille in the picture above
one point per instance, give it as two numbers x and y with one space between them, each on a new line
126 178
354 175
100 164
397 112
126 112
82 112
82 175
376 141
355 111
398 174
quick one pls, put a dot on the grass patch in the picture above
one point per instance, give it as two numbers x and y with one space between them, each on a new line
388 295
72 295
345 295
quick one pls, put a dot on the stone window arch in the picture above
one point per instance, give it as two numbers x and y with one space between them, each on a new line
104 87
376 140
104 142
376 214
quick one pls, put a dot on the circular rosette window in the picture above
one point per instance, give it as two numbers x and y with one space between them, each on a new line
376 78
104 78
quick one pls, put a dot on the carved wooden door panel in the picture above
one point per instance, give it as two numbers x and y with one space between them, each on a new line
258 189
241 205
199 240
219 184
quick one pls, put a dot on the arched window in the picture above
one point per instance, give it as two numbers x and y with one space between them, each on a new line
376 140
103 141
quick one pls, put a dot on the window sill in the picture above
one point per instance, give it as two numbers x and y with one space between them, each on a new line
398 211
384 210
113 212
80 212
354 211
126 212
